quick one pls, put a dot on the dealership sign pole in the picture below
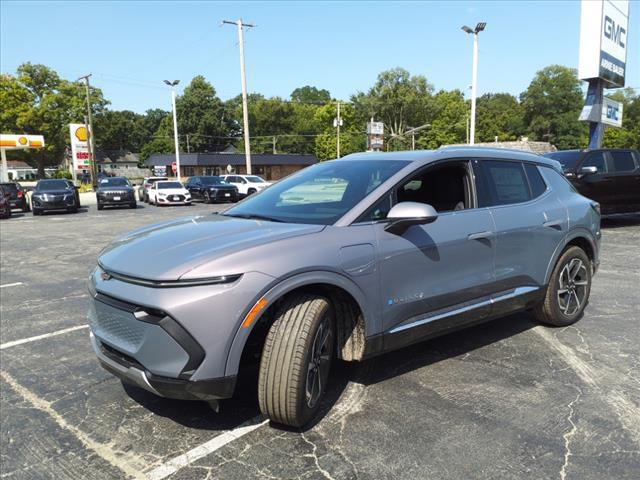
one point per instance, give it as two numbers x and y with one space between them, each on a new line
604 28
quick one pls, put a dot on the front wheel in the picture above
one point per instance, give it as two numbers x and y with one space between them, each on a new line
133 204
206 197
296 360
568 290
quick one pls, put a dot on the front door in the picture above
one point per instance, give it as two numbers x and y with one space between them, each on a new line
431 274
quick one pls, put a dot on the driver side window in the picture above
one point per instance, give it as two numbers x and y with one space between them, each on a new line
598 160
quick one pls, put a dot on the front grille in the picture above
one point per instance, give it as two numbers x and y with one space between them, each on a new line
116 326
175 198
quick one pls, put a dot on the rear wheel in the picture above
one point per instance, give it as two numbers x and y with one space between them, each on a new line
568 290
296 360
251 191
206 197
100 206
133 204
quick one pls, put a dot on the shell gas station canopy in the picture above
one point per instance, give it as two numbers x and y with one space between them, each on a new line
17 142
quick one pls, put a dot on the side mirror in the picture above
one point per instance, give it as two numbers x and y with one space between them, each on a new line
584 171
405 214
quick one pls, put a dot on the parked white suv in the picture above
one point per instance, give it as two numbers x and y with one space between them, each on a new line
246 184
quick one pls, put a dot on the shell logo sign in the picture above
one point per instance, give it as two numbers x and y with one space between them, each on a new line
17 142
81 133
80 147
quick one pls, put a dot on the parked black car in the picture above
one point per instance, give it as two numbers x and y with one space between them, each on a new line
115 191
54 194
5 205
611 177
16 195
211 189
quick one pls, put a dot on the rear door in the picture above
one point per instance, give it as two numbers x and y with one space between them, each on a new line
625 176
530 223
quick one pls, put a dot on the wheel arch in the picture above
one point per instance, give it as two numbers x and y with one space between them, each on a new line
580 237
354 319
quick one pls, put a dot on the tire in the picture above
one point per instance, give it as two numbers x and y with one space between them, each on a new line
25 207
36 211
206 198
72 210
302 323
100 206
251 191
572 274
145 198
133 204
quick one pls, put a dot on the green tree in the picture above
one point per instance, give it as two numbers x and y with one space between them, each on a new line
202 116
37 101
115 130
398 99
352 134
311 95
449 124
498 115
160 142
551 106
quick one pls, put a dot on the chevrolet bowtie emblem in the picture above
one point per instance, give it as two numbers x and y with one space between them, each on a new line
105 276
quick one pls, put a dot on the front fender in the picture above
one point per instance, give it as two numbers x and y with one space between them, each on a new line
276 291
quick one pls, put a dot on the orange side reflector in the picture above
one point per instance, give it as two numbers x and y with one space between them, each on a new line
253 313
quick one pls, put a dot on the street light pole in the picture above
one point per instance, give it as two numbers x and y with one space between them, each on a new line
474 77
92 145
243 79
175 122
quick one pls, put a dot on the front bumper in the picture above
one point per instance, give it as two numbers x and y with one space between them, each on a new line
107 199
134 374
169 200
53 202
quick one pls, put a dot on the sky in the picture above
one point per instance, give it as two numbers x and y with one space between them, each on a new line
131 47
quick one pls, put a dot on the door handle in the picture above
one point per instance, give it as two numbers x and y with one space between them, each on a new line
481 235
557 224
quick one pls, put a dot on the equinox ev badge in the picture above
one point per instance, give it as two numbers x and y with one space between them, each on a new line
408 298
105 276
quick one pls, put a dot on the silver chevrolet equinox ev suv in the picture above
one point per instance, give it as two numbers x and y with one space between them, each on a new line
346 259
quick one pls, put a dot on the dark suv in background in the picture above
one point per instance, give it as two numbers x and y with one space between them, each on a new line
211 189
114 192
609 176
16 195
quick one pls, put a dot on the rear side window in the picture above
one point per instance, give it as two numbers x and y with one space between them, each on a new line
506 181
538 187
598 160
622 161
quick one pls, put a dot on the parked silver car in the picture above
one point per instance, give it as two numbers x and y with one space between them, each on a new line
347 259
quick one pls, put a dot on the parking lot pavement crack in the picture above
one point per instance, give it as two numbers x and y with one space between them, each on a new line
569 436
129 464
314 455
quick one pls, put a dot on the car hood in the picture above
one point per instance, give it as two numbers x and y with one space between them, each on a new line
53 192
173 191
169 250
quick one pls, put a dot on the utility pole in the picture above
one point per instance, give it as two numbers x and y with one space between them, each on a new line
92 145
337 122
274 144
188 146
175 122
243 79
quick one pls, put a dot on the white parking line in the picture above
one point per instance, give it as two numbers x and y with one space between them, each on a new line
175 464
40 337
11 284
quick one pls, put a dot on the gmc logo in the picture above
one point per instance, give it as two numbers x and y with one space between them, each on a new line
614 32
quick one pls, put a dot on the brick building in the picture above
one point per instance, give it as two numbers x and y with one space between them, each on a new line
268 166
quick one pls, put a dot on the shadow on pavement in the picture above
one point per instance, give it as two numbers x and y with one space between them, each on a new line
620 221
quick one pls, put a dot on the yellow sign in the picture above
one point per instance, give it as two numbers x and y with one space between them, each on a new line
81 134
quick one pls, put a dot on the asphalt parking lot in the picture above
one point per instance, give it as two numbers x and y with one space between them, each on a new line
508 399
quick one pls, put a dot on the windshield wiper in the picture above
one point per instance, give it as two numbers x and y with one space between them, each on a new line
253 216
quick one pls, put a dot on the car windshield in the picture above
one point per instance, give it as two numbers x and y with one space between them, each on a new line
212 180
320 194
52 185
254 179
568 158
9 187
154 180
114 182
169 185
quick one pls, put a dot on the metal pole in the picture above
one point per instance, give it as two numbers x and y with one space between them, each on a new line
413 140
245 109
175 130
92 145
5 172
338 134
188 146
474 80
274 144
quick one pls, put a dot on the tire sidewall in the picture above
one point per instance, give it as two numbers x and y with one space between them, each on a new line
307 413
566 257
